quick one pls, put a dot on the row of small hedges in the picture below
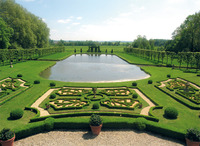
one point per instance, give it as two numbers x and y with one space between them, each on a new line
192 100
178 99
79 114
113 92
83 123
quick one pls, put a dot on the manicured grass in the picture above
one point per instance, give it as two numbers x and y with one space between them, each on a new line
31 69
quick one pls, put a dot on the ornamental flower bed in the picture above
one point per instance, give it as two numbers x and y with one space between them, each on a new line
116 92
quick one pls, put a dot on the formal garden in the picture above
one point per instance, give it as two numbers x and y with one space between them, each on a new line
167 103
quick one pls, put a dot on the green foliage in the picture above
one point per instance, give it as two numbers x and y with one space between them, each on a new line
134 84
5 34
6 134
52 84
95 106
19 75
49 124
30 31
193 134
168 75
135 95
171 113
150 81
95 120
37 82
16 114
140 124
52 96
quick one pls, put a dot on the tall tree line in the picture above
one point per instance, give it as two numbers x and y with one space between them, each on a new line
18 55
186 37
29 31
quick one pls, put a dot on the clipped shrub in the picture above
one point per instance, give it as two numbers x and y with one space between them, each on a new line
168 65
198 75
150 81
134 84
36 82
171 113
52 84
95 106
49 124
95 120
16 114
169 76
139 124
135 95
52 96
19 75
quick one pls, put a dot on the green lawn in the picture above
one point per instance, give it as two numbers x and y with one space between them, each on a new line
31 69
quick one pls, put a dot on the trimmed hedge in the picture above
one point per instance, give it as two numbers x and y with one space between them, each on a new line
83 123
178 99
95 106
52 84
150 81
134 84
16 114
36 82
78 114
49 124
139 124
19 75
171 113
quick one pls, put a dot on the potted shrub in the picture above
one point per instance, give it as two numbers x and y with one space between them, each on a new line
192 137
7 137
95 124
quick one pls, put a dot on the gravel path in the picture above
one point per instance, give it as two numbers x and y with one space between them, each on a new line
106 138
145 111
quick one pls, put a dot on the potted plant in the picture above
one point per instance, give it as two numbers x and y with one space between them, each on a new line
95 124
7 137
192 137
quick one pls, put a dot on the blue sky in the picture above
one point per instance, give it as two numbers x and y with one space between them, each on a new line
108 20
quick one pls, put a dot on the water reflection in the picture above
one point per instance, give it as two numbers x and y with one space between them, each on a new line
93 68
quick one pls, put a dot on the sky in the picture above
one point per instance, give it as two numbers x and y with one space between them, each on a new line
111 20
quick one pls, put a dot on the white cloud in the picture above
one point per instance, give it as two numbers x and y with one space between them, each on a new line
79 18
64 20
75 23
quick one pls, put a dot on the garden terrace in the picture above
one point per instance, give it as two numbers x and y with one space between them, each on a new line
82 99
9 88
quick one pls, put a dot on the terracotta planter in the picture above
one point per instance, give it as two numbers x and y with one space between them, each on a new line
9 142
192 143
96 129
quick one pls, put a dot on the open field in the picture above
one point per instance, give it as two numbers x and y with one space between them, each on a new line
30 70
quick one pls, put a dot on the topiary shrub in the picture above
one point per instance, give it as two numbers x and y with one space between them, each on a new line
95 120
169 76
134 95
49 124
19 75
52 84
150 81
95 106
52 96
134 84
139 124
36 82
171 113
16 114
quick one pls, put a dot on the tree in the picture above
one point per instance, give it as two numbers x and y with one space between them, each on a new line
172 56
197 60
162 56
180 58
187 58
5 33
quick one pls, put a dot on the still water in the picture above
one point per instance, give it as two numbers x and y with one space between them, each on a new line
93 68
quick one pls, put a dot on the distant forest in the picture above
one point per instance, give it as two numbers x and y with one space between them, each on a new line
20 28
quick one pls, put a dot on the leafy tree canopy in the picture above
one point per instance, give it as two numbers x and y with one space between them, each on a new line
29 30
